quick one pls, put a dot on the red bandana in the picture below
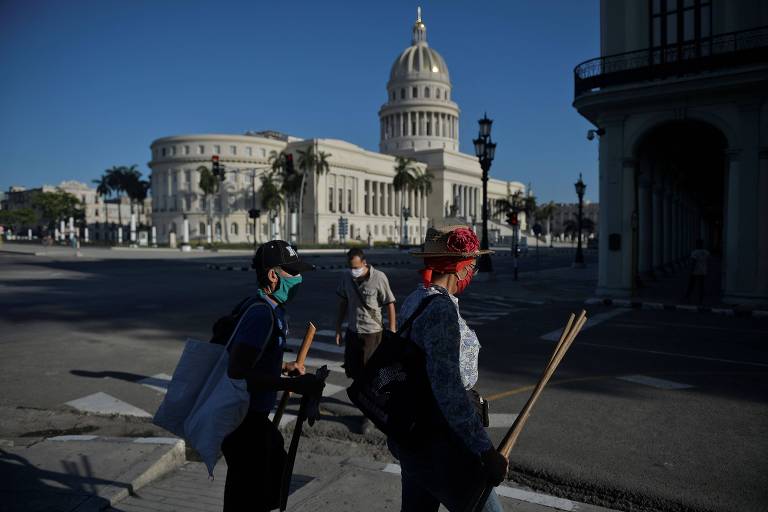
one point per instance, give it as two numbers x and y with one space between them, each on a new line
443 265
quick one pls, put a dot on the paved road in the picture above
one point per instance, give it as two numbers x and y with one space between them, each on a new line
649 411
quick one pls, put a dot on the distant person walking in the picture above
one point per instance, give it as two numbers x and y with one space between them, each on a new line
363 291
699 259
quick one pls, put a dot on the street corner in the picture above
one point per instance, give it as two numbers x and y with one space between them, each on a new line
82 472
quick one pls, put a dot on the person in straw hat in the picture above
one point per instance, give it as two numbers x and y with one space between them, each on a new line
457 456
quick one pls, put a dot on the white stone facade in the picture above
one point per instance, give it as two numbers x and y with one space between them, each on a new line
418 121
684 143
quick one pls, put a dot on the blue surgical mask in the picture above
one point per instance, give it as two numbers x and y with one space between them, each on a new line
287 288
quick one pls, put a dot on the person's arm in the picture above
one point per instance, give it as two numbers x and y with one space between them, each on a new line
387 298
438 331
392 316
340 318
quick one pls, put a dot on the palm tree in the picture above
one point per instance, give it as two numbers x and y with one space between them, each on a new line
115 181
404 181
103 190
316 162
209 184
423 184
546 212
271 197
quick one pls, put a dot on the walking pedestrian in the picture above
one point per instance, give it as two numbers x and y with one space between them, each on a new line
456 456
363 291
254 451
698 276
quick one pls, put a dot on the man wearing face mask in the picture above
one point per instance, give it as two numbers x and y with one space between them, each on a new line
363 292
455 456
254 451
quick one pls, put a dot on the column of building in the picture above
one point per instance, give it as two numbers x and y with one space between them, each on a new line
645 225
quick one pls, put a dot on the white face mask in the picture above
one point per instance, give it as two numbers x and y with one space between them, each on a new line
357 272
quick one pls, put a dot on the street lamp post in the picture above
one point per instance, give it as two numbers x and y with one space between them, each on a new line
485 150
580 187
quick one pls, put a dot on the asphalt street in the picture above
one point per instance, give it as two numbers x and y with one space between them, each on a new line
650 410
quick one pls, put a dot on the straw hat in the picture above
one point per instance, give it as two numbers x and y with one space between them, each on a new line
456 240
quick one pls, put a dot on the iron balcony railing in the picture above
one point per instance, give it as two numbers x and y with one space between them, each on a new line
706 54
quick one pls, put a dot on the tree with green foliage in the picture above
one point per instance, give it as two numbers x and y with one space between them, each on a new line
271 197
57 206
545 212
104 190
209 184
422 183
403 182
19 219
316 162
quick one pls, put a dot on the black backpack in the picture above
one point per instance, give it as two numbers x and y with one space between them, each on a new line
393 389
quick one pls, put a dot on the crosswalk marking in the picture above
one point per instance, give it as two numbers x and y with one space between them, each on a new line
316 346
654 382
102 403
157 382
316 362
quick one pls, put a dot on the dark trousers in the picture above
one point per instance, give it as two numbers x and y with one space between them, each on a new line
255 459
358 348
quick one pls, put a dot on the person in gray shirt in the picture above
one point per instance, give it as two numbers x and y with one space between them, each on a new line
363 291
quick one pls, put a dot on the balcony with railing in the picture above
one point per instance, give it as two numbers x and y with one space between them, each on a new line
719 52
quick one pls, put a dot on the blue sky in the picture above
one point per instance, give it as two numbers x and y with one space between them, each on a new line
89 84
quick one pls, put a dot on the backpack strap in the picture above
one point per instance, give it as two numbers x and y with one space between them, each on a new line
419 310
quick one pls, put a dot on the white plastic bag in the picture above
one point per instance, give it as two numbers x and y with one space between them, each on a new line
192 372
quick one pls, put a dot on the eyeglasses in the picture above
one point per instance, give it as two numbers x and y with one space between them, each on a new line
470 268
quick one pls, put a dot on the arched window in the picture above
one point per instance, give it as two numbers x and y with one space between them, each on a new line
437 93
414 92
202 228
402 94
218 230
426 92
233 228
172 228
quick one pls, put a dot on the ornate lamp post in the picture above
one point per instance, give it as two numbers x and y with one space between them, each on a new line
485 150
580 187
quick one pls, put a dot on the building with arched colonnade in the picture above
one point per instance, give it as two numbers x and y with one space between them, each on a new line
680 101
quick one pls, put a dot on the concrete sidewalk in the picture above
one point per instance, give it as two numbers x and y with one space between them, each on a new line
88 473
320 482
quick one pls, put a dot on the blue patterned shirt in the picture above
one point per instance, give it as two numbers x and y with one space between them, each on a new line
451 349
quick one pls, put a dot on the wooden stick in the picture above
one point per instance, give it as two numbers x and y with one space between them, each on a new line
505 447
563 335
514 432
300 357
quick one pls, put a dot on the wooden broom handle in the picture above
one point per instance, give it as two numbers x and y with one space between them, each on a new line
566 339
306 342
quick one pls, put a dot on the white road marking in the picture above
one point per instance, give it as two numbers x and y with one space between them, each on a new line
102 403
392 468
513 493
537 498
332 389
72 438
316 346
654 382
591 322
327 333
501 420
157 382
316 362
288 418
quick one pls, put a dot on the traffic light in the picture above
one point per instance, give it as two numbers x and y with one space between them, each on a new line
289 168
254 213
215 166
512 218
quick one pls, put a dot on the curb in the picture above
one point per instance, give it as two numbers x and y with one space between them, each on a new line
231 268
626 303
169 461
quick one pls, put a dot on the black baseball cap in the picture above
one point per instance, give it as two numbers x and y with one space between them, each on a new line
279 253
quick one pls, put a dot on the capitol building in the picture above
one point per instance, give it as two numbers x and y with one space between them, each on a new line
419 121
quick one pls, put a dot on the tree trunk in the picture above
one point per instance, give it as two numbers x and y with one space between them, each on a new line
301 208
